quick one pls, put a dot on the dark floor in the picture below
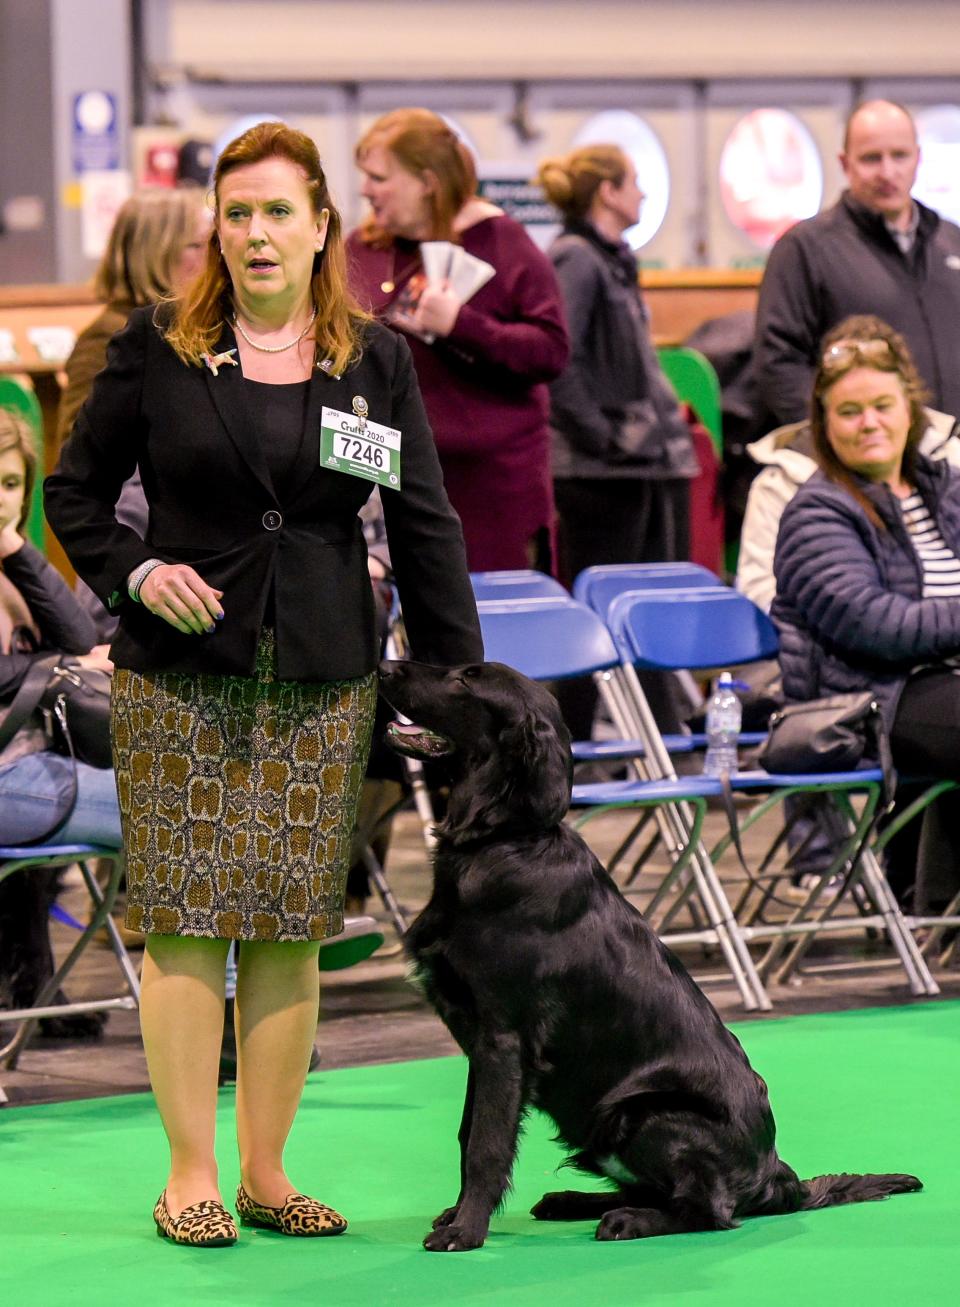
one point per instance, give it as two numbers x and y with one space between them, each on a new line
371 1013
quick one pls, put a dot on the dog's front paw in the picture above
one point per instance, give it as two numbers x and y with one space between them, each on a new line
624 1223
454 1239
446 1217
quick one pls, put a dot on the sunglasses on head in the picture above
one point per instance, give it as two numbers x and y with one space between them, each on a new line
842 353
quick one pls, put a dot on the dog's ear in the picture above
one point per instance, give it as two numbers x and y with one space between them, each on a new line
521 780
537 751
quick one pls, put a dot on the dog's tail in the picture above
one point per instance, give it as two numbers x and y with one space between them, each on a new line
834 1190
786 1192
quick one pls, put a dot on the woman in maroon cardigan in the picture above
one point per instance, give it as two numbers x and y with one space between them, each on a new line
482 365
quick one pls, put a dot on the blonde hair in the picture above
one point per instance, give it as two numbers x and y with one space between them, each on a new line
422 142
17 434
201 310
145 244
571 181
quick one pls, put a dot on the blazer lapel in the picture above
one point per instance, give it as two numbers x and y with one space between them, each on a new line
227 392
324 390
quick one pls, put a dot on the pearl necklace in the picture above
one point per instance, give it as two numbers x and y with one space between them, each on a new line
274 349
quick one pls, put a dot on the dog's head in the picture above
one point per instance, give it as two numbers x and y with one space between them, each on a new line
504 735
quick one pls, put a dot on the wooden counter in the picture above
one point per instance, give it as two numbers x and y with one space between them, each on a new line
680 299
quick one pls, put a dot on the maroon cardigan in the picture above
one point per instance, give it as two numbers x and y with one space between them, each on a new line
484 385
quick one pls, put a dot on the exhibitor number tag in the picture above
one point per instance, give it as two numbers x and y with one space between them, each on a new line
360 448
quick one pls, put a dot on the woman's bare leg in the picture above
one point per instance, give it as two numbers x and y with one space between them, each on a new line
278 997
181 1017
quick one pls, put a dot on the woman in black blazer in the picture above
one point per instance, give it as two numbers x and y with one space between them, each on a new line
259 408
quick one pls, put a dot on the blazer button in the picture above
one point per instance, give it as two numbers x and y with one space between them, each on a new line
272 520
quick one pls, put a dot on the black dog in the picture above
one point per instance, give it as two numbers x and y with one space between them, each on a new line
563 998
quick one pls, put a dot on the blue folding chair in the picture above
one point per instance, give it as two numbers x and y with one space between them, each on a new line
598 587
520 584
710 629
553 639
36 857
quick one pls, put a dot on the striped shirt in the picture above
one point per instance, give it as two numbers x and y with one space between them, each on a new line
941 566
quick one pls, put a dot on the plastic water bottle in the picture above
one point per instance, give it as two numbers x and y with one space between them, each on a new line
724 714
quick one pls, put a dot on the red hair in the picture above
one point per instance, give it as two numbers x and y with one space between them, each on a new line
200 312
421 142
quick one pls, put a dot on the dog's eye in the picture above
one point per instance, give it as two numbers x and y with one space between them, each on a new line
471 673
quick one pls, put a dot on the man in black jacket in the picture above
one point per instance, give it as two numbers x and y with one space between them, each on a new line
876 251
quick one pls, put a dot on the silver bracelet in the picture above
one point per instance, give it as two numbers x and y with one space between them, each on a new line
139 574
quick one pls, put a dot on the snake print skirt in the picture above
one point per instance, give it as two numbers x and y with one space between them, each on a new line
237 799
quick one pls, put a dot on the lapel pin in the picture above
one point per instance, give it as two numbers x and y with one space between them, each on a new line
362 409
216 361
326 366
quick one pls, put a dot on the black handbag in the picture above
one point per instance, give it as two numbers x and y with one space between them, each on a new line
840 733
82 726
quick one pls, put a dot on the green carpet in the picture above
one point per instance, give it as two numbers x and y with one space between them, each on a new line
857 1091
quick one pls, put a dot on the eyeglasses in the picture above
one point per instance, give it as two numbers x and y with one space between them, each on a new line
842 353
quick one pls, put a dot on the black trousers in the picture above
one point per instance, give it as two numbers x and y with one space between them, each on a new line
925 741
628 521
619 521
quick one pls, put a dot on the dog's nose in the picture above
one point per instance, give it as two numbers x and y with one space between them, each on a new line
389 667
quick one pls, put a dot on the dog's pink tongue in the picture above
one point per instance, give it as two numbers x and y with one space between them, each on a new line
417 741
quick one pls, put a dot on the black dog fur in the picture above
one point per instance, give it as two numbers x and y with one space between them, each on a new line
563 998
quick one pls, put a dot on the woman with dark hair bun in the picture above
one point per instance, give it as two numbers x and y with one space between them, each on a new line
260 406
867 566
482 361
622 451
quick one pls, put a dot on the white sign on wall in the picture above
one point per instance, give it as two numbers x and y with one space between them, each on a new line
101 195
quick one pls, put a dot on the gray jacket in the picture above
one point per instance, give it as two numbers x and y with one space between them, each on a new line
845 261
613 413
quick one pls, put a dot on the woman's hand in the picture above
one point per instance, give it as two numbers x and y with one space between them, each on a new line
176 593
98 659
436 311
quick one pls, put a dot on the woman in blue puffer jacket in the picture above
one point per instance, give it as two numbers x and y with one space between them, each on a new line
868 571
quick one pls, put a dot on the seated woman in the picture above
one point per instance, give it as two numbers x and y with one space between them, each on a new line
38 616
867 567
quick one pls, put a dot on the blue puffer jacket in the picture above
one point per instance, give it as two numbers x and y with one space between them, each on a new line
849 603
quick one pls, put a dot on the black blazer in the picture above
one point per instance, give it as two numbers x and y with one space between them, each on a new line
212 505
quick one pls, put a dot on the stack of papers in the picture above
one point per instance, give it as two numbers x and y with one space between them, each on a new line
464 273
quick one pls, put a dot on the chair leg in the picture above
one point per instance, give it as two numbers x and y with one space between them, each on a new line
413 769
898 931
631 714
116 943
382 886
103 904
626 844
949 919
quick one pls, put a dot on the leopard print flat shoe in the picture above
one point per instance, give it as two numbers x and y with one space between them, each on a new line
299 1215
201 1225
